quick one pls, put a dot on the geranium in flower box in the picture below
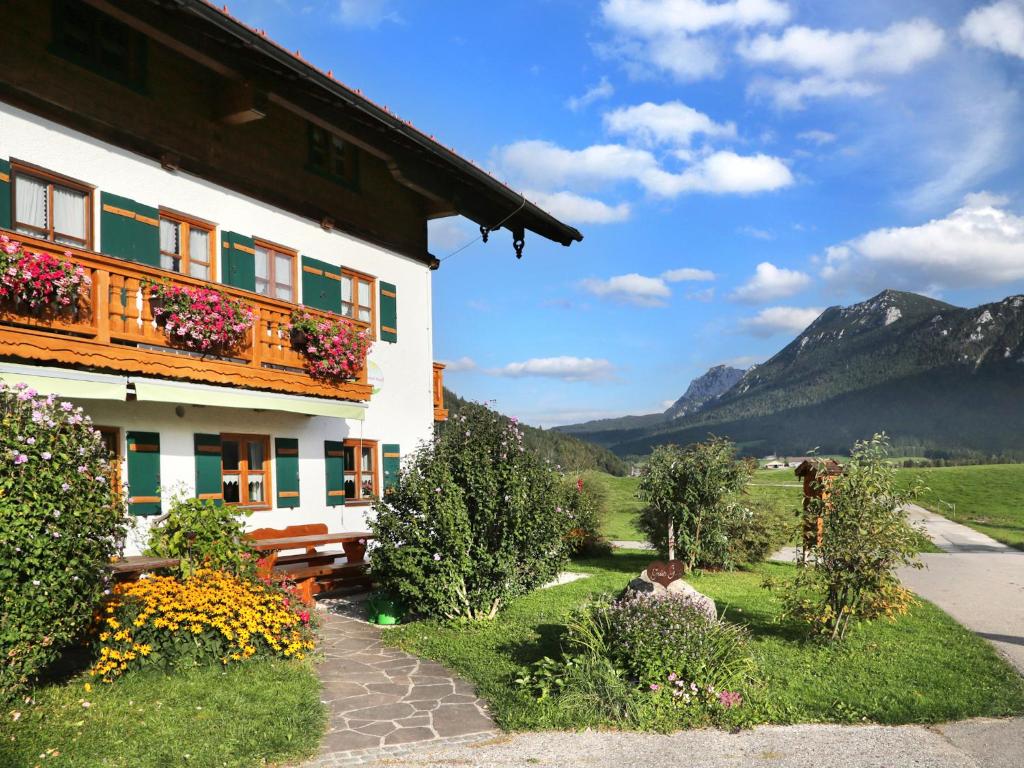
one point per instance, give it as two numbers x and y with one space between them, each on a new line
38 282
334 349
200 319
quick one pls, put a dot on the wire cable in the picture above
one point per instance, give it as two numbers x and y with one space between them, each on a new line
490 229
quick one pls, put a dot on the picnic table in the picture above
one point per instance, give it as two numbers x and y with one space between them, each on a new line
307 541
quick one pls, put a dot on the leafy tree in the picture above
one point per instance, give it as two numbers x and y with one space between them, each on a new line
476 519
689 494
202 533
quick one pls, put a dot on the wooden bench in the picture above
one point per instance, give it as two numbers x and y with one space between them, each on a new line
314 570
131 567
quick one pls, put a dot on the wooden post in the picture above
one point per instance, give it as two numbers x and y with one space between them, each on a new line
101 305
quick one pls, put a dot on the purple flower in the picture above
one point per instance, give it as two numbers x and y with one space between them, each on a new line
82 469
66 406
655 687
64 486
436 557
46 455
30 441
21 458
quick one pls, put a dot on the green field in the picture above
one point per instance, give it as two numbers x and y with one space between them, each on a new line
988 498
923 668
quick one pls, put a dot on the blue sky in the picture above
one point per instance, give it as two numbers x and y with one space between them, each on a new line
735 167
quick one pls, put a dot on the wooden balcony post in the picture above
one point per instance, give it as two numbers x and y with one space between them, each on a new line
257 338
101 305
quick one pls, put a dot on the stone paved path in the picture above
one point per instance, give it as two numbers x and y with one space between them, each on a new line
384 703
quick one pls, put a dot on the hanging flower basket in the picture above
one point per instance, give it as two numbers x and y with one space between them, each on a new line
38 283
200 319
334 350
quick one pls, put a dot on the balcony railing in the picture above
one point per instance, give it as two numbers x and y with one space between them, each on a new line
113 329
440 412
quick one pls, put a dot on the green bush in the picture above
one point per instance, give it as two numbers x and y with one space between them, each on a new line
475 520
690 494
586 505
202 533
754 533
60 522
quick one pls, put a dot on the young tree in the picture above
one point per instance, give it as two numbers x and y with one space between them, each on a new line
689 494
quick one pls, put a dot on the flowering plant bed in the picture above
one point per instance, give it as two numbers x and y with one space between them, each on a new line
39 282
335 350
212 616
200 319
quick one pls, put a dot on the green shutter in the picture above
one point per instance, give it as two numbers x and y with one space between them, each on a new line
286 459
388 312
392 463
334 469
5 194
129 230
208 477
321 285
143 473
238 261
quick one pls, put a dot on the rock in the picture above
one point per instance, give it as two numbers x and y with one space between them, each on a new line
640 588
701 601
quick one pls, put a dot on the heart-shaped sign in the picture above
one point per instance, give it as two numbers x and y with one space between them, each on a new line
665 573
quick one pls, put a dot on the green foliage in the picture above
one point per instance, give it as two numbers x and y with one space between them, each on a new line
476 520
690 492
586 505
866 537
755 531
560 450
203 533
60 522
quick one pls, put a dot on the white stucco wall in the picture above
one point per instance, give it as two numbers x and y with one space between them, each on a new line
402 412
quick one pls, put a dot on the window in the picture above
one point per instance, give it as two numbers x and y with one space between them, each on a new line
357 297
332 156
360 470
275 271
186 245
52 207
92 39
244 471
111 437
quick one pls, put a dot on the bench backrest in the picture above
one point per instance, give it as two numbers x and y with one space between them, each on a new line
308 529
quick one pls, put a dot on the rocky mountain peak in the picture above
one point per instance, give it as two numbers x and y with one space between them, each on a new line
717 381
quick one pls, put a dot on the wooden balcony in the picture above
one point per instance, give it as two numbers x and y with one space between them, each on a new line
440 412
113 329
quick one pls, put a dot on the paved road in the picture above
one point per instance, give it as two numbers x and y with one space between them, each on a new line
976 580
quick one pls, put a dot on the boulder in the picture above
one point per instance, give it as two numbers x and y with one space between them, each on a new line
642 586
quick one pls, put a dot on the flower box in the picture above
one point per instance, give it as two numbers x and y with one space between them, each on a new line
334 349
200 319
39 284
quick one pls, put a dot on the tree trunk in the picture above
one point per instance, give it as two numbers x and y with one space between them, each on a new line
671 538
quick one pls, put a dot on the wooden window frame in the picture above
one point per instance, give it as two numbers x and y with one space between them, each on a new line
350 181
134 77
48 177
244 470
371 325
186 222
115 462
357 445
283 250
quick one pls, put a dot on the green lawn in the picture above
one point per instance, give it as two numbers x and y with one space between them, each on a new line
988 498
923 668
245 715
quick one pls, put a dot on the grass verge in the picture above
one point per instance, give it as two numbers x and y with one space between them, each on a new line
923 668
246 715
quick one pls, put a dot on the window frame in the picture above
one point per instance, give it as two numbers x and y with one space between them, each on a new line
50 178
136 75
283 250
357 445
244 470
116 451
371 324
351 156
185 223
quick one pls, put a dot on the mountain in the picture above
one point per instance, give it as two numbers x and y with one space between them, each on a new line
934 376
715 383
562 450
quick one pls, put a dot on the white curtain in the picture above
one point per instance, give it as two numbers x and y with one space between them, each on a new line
364 301
346 296
283 276
169 244
199 248
69 214
262 271
31 202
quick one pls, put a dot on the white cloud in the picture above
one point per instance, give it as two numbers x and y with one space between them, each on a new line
757 234
999 26
979 244
774 320
686 274
657 17
544 165
577 209
447 234
839 63
817 137
602 90
366 13
670 123
566 368
770 283
460 364
704 295
633 288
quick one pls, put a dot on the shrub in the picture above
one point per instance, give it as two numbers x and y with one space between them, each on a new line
60 522
202 533
211 617
690 500
475 520
201 319
865 538
586 505
754 533
334 350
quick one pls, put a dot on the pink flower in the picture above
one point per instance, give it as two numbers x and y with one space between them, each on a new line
20 458
655 687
